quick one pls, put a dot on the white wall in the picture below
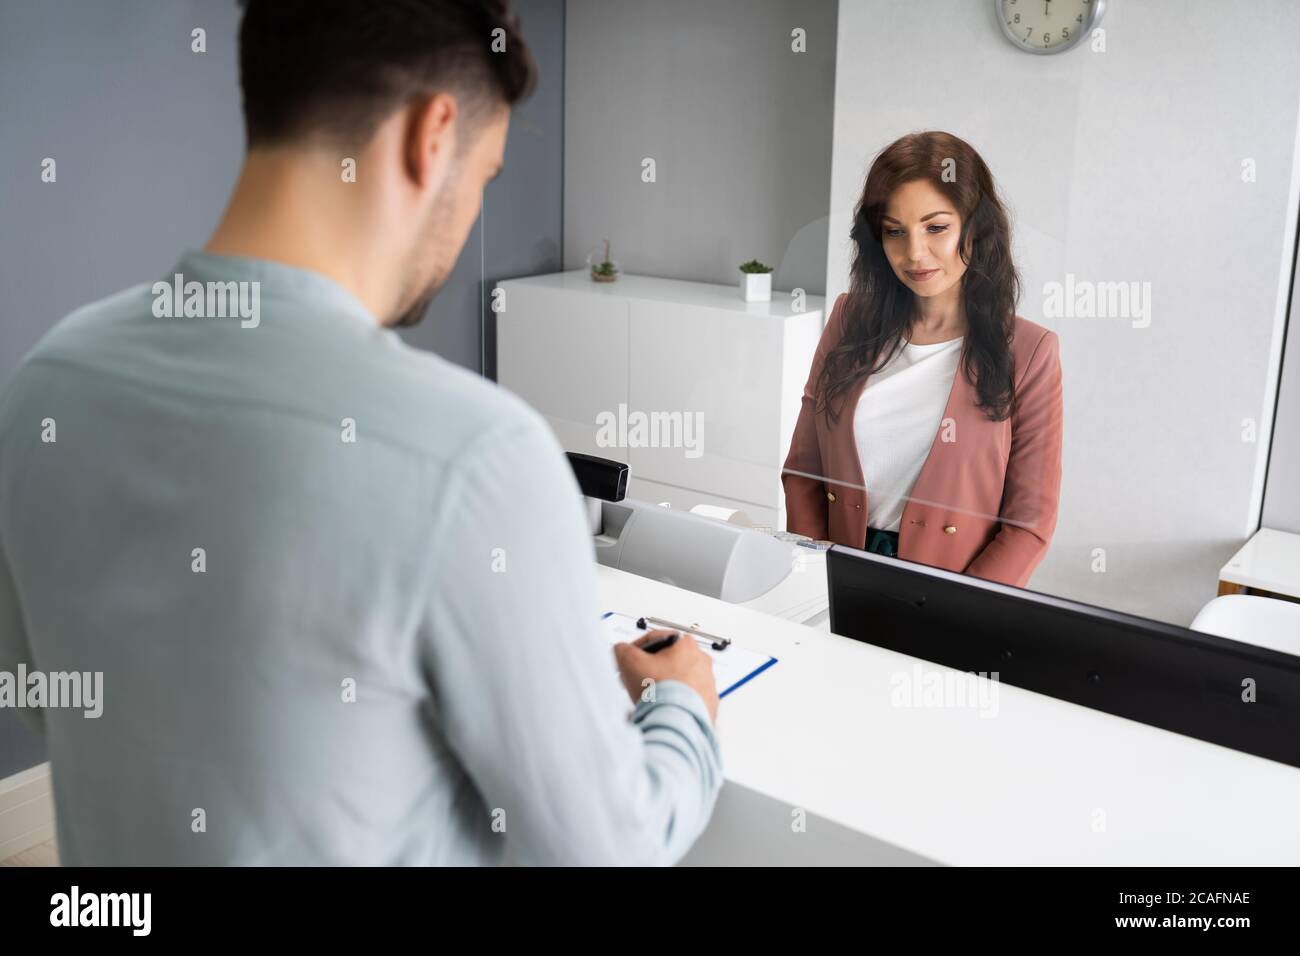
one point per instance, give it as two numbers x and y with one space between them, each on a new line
1282 490
1118 166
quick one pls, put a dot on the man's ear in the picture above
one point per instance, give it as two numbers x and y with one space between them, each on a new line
429 139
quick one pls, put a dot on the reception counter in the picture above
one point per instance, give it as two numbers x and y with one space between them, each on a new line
846 753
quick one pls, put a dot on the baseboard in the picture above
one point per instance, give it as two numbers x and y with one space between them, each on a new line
26 810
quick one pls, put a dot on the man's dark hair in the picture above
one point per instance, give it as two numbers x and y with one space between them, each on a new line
336 68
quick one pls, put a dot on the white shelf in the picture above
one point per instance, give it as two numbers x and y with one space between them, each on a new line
575 350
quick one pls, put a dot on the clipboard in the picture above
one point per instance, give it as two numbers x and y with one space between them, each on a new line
732 666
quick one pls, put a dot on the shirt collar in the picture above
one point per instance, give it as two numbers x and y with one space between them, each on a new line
305 287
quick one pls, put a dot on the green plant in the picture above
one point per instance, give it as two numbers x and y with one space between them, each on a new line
753 265
605 269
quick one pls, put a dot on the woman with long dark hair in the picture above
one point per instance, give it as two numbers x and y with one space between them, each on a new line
931 422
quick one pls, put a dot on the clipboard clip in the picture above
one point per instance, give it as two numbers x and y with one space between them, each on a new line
716 642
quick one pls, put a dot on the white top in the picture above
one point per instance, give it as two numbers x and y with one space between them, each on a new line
897 418
1026 781
679 291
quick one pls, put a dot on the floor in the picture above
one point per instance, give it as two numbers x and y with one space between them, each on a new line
43 854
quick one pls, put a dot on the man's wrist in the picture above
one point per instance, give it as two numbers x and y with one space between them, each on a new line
671 693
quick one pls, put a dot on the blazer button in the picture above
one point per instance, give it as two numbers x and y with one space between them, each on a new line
950 529
830 496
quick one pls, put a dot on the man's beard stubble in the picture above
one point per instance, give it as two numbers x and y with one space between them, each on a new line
413 313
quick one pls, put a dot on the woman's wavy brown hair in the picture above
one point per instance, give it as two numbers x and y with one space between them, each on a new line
880 309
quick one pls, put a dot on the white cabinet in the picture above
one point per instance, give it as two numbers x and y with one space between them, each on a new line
696 389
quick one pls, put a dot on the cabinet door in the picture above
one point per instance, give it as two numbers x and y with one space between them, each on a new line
714 376
566 355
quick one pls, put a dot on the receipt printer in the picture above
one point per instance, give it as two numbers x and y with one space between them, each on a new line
704 555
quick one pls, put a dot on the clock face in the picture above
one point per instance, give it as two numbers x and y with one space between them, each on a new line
1047 26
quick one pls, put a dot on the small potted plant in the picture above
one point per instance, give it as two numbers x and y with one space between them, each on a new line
755 281
603 269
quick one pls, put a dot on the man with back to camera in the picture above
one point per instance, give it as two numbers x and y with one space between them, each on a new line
341 591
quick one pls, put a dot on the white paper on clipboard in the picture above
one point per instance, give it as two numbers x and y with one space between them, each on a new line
731 667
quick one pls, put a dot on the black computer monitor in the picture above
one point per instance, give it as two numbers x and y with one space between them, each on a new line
1160 674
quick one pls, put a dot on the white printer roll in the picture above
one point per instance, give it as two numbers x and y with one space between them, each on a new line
729 515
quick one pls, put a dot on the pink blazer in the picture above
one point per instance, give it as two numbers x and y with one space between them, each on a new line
984 503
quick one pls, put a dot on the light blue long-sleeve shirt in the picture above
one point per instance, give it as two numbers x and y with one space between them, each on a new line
374 523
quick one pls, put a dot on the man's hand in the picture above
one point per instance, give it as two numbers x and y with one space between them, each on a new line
684 662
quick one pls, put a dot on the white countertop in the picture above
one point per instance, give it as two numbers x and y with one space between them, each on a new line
1043 781
1270 561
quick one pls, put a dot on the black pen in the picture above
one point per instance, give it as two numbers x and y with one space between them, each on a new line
655 646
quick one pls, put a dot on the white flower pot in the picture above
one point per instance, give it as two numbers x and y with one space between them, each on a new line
756 286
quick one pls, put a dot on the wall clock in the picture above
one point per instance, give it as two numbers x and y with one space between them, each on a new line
1048 26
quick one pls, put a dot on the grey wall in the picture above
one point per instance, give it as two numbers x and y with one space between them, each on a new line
147 138
518 233
146 135
739 127
1122 166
